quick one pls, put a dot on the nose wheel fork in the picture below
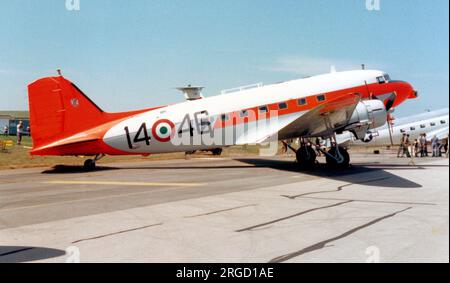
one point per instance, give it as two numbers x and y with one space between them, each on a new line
89 165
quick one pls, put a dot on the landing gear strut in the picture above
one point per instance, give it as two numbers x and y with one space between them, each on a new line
306 157
337 157
89 165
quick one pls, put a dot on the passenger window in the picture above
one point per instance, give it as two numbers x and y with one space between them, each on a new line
423 126
432 124
443 122
224 117
263 109
403 131
244 113
321 98
282 105
301 101
413 128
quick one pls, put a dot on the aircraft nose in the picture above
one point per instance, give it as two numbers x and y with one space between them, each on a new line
405 91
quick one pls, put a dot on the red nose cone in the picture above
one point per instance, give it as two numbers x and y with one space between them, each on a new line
404 92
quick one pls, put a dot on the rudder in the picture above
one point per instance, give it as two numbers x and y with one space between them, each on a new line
58 109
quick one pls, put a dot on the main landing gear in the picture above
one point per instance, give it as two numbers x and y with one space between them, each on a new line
89 165
306 157
336 157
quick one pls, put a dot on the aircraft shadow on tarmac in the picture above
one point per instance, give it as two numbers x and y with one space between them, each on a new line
351 175
74 169
11 254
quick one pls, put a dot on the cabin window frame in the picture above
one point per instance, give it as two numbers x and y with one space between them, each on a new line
321 98
302 102
283 105
263 109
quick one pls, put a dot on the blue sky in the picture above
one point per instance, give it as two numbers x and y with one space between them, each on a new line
132 54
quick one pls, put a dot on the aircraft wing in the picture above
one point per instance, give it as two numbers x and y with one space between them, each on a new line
313 123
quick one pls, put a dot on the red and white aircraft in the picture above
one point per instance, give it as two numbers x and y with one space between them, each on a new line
64 121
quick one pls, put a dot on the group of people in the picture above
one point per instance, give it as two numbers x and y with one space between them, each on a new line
419 147
20 131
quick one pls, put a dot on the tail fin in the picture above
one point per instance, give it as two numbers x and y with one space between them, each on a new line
59 109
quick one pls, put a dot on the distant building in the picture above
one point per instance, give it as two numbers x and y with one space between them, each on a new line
12 118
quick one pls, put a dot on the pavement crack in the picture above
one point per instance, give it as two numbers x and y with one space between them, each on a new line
117 233
323 244
340 188
222 210
292 216
376 201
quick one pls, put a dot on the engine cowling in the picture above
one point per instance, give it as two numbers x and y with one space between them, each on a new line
368 115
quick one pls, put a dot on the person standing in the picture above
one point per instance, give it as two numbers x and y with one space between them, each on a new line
435 146
416 148
19 132
423 142
318 147
407 147
426 145
446 145
401 149
5 130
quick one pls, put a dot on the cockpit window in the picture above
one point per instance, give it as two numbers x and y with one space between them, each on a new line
387 77
381 80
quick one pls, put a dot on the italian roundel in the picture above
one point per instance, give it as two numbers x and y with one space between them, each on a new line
163 130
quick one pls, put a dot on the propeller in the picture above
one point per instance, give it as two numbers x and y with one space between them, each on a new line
389 103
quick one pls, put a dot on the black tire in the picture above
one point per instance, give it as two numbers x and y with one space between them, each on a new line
89 165
333 163
306 157
217 151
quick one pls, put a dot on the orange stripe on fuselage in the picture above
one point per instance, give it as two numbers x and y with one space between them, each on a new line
366 91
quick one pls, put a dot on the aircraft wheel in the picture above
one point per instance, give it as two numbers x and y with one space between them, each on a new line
306 157
343 163
217 151
89 165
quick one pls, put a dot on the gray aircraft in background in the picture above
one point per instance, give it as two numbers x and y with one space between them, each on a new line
433 123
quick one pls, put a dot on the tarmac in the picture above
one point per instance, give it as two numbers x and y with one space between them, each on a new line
251 209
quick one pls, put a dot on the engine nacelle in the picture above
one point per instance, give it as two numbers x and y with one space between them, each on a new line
368 114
